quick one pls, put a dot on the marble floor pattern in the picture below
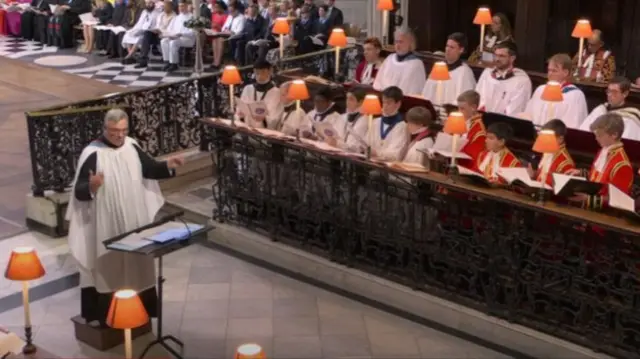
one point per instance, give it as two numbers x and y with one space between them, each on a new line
215 302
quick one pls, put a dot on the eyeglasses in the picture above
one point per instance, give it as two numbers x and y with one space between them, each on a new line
116 131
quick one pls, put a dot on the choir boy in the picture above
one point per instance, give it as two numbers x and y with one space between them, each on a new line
573 108
559 162
504 88
496 154
462 78
476 133
617 92
403 69
291 119
421 135
387 136
324 111
355 124
263 90
611 166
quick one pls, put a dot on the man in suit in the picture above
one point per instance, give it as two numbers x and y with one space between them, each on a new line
335 17
313 9
303 30
67 16
254 28
256 50
31 21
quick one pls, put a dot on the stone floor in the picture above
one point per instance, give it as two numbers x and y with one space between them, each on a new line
214 302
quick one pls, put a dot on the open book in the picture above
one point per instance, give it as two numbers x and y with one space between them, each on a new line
408 167
317 39
622 201
10 343
88 19
117 29
567 186
473 175
53 8
212 33
325 130
520 177
443 144
251 111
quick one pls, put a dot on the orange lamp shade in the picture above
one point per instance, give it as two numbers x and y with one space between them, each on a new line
385 5
24 265
582 29
281 26
546 142
126 310
552 92
231 76
455 124
298 91
371 105
337 38
483 16
250 351
440 72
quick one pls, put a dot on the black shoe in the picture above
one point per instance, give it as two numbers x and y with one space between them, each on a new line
166 67
173 67
128 61
141 65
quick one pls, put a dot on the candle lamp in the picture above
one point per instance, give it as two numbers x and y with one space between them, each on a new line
483 18
231 77
385 6
552 93
546 144
338 39
281 27
439 73
581 31
298 91
370 107
455 125
249 351
127 312
24 265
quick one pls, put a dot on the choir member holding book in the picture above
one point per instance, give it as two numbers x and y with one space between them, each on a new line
262 91
355 124
421 135
496 155
476 133
559 162
387 135
291 119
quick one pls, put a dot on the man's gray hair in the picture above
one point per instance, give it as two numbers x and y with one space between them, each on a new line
411 36
115 115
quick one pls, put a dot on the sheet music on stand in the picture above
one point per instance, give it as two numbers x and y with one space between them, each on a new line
622 201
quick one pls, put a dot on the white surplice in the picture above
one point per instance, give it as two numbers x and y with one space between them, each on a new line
462 79
506 93
271 99
145 22
330 116
391 147
630 116
124 202
353 131
415 152
572 110
290 122
409 74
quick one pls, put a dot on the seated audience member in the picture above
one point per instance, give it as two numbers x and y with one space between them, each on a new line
617 92
573 108
64 19
476 135
292 118
355 124
205 11
263 90
499 33
559 162
402 69
421 135
504 88
128 19
263 9
218 19
598 63
611 165
462 78
13 18
102 12
119 18
233 28
151 37
323 111
34 21
132 38
368 68
496 154
321 27
313 9
257 50
388 135
334 15
303 30
254 29
178 36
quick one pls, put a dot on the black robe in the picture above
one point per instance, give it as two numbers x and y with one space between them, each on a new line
95 305
61 26
33 26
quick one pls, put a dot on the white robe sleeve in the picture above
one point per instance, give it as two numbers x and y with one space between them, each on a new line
415 78
519 97
597 112
380 83
574 109
274 105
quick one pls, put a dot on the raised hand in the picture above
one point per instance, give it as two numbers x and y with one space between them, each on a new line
95 181
175 162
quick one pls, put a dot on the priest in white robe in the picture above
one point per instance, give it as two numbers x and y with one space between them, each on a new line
617 92
402 69
292 119
572 110
264 91
462 77
177 37
114 191
421 136
387 136
324 112
504 88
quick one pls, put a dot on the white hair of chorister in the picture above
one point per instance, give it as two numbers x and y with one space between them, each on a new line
411 36
115 115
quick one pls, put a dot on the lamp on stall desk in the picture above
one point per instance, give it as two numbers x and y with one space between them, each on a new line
338 40
127 312
370 107
483 18
456 125
281 27
582 31
250 351
231 77
439 73
546 144
24 265
385 6
552 93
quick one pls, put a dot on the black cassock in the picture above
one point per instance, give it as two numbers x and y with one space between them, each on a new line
61 25
95 305
34 26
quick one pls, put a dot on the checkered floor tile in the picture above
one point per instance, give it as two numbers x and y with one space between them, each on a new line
14 47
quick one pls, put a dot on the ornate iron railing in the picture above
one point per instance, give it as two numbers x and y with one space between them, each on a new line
544 267
164 119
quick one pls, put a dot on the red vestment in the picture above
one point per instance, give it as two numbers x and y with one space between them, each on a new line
507 159
561 163
476 138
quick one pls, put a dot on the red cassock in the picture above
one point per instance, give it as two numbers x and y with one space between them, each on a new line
476 141
617 171
507 159
561 163
360 73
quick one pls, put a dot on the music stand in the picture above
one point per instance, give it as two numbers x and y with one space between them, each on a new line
159 250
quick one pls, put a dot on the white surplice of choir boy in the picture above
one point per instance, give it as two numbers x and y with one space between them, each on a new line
462 79
572 110
415 152
409 74
272 100
330 116
390 148
235 25
185 38
630 116
505 93
357 127
146 22
292 121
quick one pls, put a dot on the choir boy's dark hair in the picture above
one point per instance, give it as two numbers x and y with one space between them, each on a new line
501 130
623 82
325 93
358 92
324 7
471 97
420 116
460 38
557 126
611 123
262 65
510 46
394 93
